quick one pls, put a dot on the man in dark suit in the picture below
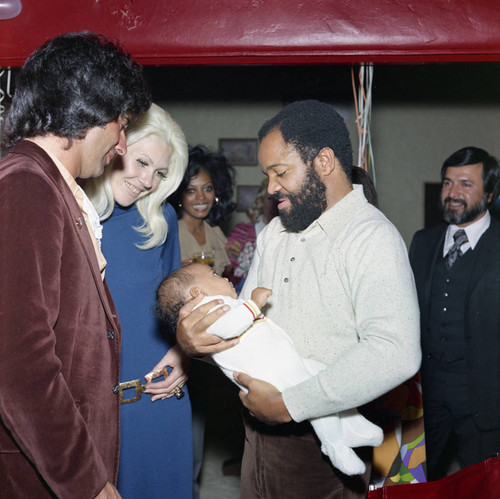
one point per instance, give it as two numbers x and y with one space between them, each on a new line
59 333
457 273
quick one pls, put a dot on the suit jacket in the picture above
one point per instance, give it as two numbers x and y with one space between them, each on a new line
482 316
59 339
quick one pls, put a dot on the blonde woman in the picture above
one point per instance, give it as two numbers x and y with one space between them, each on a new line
141 245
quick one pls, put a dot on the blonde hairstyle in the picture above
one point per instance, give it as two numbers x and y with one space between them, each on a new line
157 122
257 209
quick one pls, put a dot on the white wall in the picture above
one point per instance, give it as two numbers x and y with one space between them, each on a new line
411 142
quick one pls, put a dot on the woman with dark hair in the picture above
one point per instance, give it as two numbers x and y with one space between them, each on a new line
204 200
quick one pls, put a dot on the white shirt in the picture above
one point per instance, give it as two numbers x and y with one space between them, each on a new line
344 291
473 231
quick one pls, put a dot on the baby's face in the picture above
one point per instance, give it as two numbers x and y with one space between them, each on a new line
210 282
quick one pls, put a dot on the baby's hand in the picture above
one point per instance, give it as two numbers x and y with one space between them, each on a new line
260 296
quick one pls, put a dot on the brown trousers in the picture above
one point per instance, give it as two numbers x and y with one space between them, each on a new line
286 462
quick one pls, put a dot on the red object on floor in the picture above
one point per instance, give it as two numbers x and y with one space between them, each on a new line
479 481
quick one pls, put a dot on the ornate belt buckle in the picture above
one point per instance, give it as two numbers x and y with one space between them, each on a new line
162 372
138 388
136 384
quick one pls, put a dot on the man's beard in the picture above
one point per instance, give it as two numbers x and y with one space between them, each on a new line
306 205
468 215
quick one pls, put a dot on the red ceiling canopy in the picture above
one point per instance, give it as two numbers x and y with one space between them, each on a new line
173 32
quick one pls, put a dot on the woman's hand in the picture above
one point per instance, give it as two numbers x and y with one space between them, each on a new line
179 362
192 328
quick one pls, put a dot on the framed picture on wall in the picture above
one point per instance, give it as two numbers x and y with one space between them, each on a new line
239 152
245 196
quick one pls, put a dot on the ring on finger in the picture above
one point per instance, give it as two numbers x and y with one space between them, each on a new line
178 392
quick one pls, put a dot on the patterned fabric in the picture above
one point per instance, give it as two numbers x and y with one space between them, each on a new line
240 248
455 252
401 457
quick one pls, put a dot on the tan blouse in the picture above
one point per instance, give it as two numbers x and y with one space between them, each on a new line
215 241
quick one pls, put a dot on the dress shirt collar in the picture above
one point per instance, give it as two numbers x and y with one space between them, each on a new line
70 180
334 220
87 208
474 232
259 225
83 201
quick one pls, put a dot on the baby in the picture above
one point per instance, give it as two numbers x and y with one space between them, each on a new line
265 352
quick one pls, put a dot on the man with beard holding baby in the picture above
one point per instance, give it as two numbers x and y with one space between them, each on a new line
342 287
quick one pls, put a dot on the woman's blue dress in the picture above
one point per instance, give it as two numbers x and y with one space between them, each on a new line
156 458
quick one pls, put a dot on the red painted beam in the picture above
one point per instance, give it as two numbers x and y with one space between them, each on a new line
175 32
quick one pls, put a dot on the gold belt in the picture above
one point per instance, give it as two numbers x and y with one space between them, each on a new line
138 387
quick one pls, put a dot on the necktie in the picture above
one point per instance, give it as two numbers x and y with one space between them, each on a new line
460 238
